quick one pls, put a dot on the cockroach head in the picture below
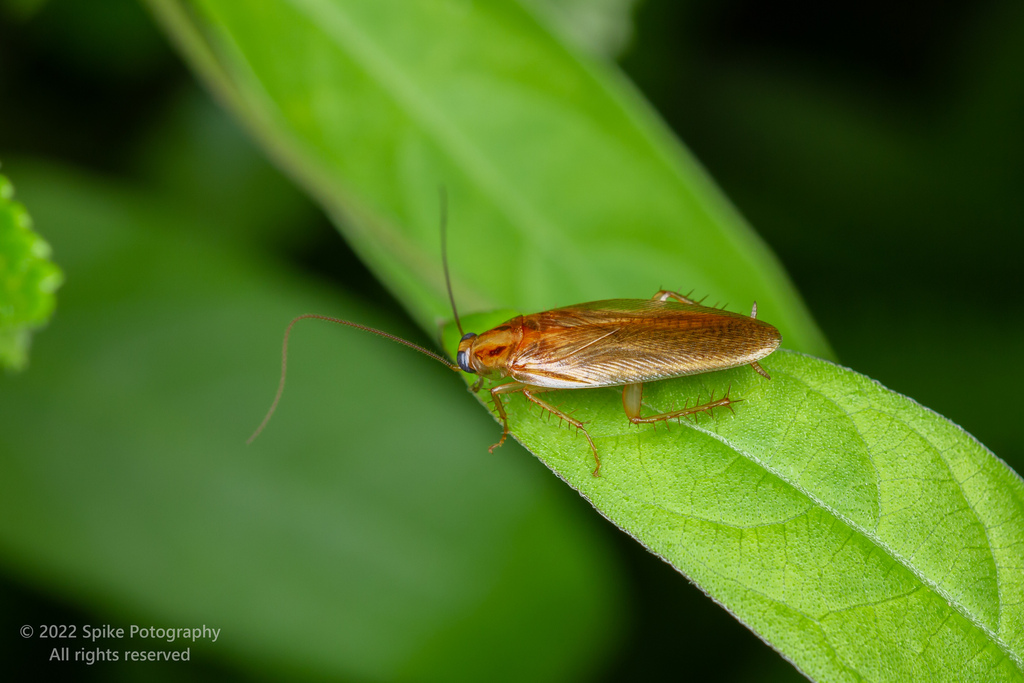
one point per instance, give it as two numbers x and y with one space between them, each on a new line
488 354
465 345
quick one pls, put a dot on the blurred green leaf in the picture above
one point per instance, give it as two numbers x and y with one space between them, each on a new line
564 185
28 280
21 10
862 535
338 545
199 156
600 27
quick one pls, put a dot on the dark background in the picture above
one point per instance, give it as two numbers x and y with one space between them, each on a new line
877 147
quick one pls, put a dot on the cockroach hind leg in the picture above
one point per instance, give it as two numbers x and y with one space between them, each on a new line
760 370
691 412
727 397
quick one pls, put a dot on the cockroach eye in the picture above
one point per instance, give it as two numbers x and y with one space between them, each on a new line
463 359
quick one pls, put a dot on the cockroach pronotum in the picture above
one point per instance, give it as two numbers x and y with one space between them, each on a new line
618 342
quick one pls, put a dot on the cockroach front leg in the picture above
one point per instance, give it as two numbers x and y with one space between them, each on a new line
632 399
510 388
528 391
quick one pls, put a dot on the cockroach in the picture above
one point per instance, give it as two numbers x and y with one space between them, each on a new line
613 343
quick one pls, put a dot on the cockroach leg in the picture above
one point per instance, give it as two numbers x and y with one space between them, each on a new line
529 392
632 399
510 388
666 294
735 400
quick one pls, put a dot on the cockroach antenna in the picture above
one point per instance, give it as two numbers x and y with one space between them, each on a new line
539 352
338 321
366 328
443 193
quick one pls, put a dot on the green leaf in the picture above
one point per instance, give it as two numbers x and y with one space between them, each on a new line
28 280
366 535
600 27
862 535
564 186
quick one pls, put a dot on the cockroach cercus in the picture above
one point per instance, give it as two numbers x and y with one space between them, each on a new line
613 343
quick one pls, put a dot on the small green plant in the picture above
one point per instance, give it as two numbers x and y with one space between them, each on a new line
28 280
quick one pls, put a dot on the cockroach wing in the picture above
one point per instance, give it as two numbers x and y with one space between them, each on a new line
626 341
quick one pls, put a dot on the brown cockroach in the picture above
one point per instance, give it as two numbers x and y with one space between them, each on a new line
618 342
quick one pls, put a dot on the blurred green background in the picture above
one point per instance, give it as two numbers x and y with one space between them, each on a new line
877 148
